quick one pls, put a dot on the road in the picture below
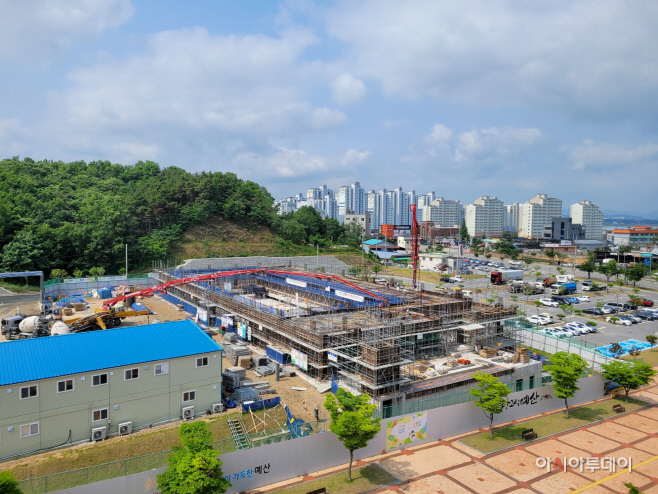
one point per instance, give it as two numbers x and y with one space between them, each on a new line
19 298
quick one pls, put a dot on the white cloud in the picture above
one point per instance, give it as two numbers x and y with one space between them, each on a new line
584 59
284 163
191 89
37 29
390 124
353 157
589 154
478 145
348 90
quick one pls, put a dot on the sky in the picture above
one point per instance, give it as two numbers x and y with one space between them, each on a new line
468 98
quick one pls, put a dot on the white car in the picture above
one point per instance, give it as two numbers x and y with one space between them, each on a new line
456 279
539 320
552 332
623 322
563 330
547 316
548 302
581 326
584 298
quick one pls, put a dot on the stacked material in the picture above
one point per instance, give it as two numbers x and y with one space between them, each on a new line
231 337
488 352
244 361
245 394
259 360
264 370
522 356
233 352
233 377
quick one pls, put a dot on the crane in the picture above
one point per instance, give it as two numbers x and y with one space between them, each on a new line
224 274
414 243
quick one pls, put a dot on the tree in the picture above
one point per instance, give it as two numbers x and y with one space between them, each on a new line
652 339
78 273
488 256
528 260
58 273
463 232
490 396
566 370
620 283
193 467
588 266
616 349
352 421
560 316
550 254
608 269
8 484
377 269
629 375
636 273
96 272
567 309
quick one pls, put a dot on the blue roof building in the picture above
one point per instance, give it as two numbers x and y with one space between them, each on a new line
89 386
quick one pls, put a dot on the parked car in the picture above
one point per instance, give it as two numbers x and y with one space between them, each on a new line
634 319
456 279
611 309
539 320
584 298
572 300
553 332
643 303
547 316
594 311
566 331
581 326
645 314
624 322
623 307
548 302
446 279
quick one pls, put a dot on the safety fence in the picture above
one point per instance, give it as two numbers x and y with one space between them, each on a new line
128 466
444 401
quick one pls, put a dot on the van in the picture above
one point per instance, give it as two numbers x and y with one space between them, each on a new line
623 307
515 263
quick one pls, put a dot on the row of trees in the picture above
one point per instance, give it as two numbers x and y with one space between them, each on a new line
611 268
75 216
306 226
566 370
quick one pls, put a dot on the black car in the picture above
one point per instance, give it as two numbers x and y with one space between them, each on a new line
613 310
594 311
649 316
446 280
633 321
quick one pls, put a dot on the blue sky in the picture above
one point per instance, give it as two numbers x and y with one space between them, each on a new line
463 98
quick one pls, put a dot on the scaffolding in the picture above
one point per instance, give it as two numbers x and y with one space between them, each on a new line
372 347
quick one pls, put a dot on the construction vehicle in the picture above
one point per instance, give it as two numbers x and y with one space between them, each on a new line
563 288
515 286
533 287
20 327
504 275
102 319
547 281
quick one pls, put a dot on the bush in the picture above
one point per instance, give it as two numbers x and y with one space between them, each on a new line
591 323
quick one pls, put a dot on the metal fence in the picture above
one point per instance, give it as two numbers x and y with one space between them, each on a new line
328 264
129 466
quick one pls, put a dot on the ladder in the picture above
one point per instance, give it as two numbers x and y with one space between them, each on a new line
236 427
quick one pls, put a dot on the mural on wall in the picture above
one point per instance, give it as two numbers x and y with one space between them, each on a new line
406 430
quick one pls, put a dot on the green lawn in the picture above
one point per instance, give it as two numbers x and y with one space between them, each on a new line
363 479
648 356
545 426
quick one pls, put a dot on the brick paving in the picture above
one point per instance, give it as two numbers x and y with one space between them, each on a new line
449 467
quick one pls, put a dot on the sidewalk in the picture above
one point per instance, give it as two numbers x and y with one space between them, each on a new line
449 467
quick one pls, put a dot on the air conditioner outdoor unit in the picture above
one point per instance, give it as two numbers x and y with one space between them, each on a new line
99 433
217 408
125 428
188 413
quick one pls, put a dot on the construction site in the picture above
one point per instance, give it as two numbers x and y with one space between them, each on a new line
396 345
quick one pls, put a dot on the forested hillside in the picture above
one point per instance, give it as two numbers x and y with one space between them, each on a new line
73 217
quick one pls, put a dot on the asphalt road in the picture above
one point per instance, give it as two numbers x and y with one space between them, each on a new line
19 298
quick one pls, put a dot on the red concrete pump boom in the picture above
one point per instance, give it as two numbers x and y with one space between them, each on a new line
223 274
414 243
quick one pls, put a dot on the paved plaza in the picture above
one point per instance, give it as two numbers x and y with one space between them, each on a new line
449 467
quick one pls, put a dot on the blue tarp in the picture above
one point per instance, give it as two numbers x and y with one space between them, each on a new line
139 307
277 356
260 404
104 293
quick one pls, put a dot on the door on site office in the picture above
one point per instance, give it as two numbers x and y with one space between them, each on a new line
519 384
387 406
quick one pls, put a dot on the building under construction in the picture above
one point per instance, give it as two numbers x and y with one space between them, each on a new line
392 343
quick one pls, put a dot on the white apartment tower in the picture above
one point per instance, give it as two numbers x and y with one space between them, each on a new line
590 217
484 218
511 219
444 213
536 213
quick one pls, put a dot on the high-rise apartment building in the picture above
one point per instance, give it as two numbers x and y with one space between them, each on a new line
444 213
484 218
590 217
511 219
536 213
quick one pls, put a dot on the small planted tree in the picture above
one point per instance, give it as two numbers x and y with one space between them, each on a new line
377 269
629 375
566 370
58 273
560 316
652 339
8 484
591 323
632 489
490 396
614 320
193 467
352 421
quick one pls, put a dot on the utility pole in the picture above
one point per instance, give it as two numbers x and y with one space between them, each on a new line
126 261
